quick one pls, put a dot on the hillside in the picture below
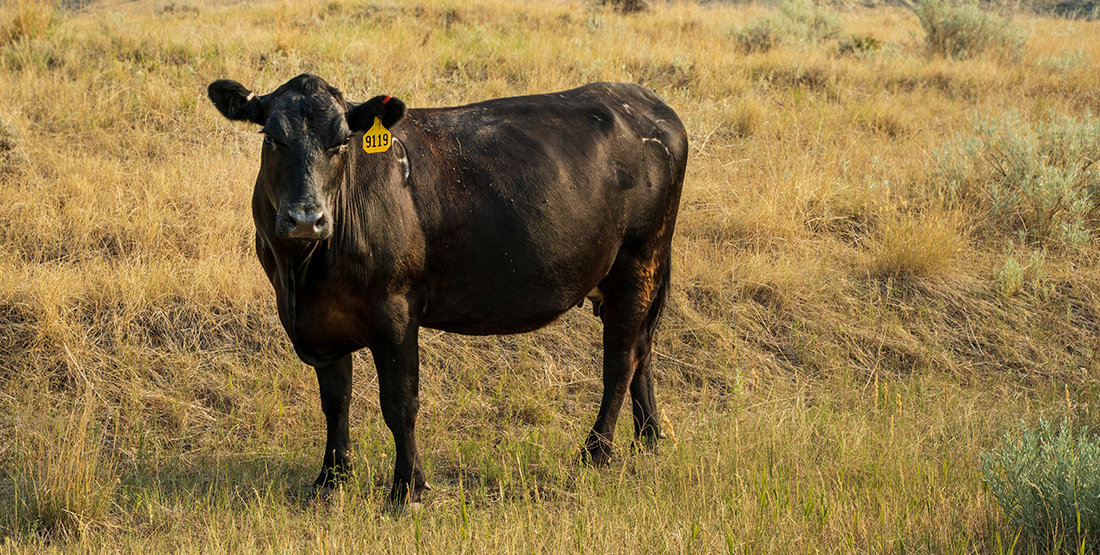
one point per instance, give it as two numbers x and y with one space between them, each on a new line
885 260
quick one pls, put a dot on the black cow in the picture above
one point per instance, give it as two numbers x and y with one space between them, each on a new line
491 218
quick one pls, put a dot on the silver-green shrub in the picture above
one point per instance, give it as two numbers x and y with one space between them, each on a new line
963 30
1040 183
795 22
1068 61
1048 485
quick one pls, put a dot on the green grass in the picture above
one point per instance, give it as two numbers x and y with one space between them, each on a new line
844 338
874 470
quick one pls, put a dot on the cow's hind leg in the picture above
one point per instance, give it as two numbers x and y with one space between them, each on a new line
334 382
647 423
634 292
617 370
644 400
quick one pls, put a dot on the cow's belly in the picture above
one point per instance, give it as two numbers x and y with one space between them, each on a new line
504 310
502 298
488 324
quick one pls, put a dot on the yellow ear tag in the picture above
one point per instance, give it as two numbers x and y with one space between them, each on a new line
377 138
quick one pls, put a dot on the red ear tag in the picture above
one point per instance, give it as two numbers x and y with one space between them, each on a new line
387 99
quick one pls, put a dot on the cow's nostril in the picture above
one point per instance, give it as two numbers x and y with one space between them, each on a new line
304 225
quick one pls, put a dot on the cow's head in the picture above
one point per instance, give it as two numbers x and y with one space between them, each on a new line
308 128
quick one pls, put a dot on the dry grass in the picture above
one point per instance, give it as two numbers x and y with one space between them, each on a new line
63 477
910 247
844 337
25 20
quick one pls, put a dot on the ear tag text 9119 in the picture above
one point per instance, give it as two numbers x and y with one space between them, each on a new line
377 138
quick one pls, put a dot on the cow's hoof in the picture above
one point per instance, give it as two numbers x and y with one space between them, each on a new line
321 493
398 508
646 442
597 450
596 457
402 495
333 476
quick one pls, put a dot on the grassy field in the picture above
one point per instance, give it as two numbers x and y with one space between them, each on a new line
862 305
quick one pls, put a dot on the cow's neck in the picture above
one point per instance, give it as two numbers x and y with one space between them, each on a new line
360 209
291 267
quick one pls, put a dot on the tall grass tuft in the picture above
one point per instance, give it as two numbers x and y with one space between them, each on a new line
64 480
795 22
963 30
745 119
1048 485
1041 184
29 19
906 248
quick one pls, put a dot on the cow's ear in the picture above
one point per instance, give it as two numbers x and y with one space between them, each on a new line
236 102
386 108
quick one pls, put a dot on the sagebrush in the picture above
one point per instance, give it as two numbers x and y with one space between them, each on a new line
1047 482
1036 182
794 22
963 29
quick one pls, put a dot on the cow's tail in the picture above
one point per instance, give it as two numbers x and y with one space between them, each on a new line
653 317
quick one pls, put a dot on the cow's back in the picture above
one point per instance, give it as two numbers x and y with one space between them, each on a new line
525 202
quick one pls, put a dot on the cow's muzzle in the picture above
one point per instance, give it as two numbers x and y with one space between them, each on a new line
306 225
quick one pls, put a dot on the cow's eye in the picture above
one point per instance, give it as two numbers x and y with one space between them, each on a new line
270 140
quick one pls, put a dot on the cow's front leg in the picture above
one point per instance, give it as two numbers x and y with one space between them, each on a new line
397 358
335 385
